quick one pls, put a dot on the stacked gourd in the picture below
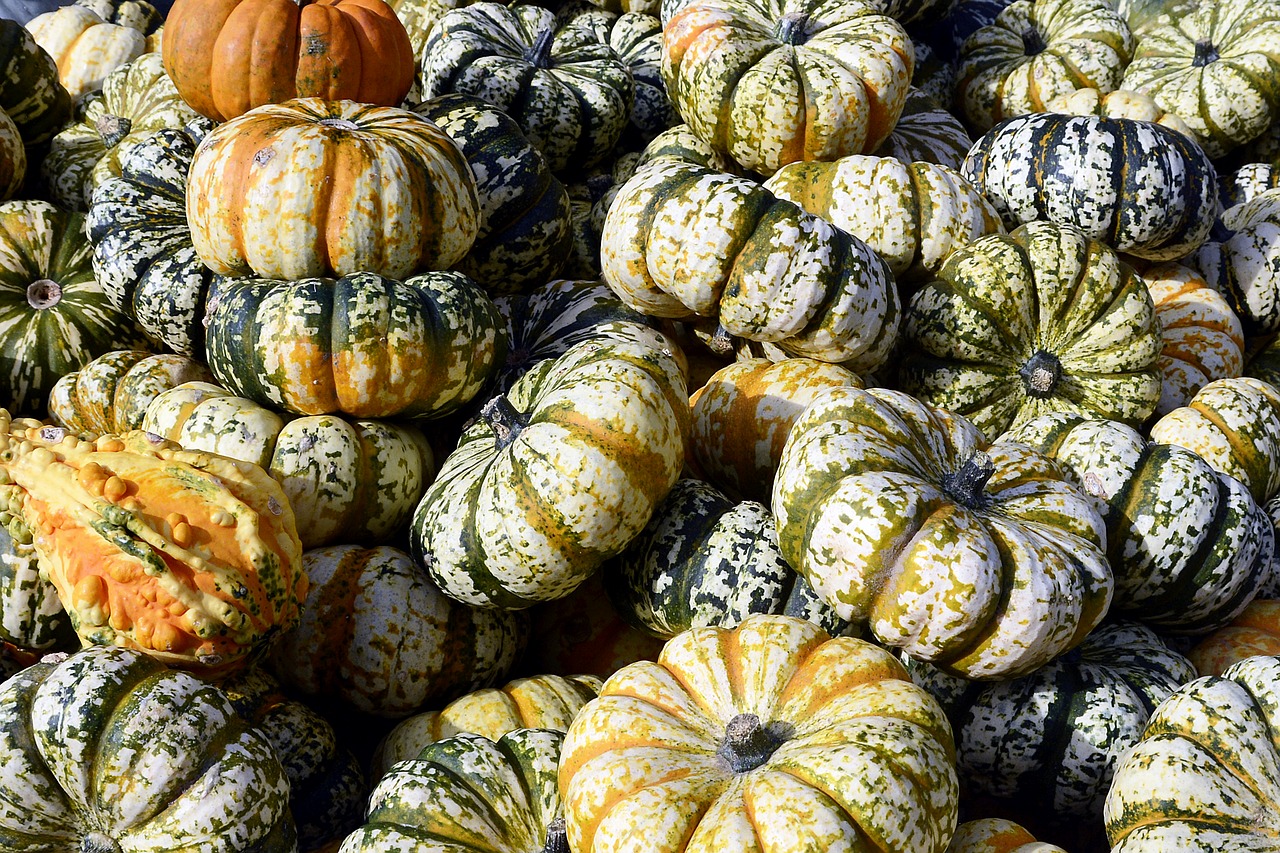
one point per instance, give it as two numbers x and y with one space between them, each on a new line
832 423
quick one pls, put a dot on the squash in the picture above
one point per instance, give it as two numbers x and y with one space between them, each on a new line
1139 187
72 727
189 556
227 56
85 48
112 392
54 316
206 417
1246 183
771 735
31 92
139 14
982 559
1189 546
1121 103
1256 631
32 618
537 702
555 476
13 158
997 835
568 92
770 83
1235 262
1043 319
1204 768
329 188
683 241
925 132
364 345
377 635
143 254
1035 51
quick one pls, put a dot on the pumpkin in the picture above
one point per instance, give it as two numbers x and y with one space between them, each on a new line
1234 425
1139 187
1189 546
377 635
32 618
776 274
136 99
997 835
771 735
13 157
1255 631
705 559
771 83
1049 741
227 56
933 75
206 417
948 30
54 316
524 235
1246 183
469 794
1235 261
1204 768
982 559
85 48
31 92
143 254
569 93
555 476
1035 51
1214 67
112 392
1042 319
139 14
913 214
199 776
537 702
742 414
1121 103
329 188
926 132
189 556
637 38
1203 338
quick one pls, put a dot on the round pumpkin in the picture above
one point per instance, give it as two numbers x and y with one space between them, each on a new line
925 132
328 188
997 835
1256 631
31 93
1121 103
85 47
112 392
1236 262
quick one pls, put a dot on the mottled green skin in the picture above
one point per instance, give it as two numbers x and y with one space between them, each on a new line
30 91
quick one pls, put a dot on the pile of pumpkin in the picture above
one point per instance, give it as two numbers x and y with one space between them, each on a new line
715 425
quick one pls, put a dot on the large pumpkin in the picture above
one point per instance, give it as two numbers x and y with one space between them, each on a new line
317 188
228 56
769 736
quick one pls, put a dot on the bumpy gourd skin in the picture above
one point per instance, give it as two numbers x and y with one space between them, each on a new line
189 556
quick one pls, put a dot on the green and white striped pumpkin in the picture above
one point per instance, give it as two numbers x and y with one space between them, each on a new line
556 476
112 392
1189 546
107 749
1040 320
1140 188
926 132
32 617
30 91
982 559
1236 261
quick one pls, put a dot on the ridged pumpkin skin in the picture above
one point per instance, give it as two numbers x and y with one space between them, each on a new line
1040 320
85 47
770 82
772 735
683 241
1205 768
112 392
468 794
1037 50
13 158
556 476
1236 263
365 345
329 188
997 835
108 750
228 56
207 417
1121 103
30 90
983 559
1049 741
1138 187
1256 631
742 414
927 133
191 557
377 635
538 702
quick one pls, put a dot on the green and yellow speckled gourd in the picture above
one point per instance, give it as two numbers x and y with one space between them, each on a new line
191 557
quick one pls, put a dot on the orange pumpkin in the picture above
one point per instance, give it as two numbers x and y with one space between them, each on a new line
1256 631
228 56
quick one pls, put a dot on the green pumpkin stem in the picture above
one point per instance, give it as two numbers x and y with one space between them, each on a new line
1041 374
557 837
965 486
112 129
96 842
44 293
503 418
792 28
539 56
748 743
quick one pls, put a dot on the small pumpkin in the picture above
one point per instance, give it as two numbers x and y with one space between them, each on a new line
85 47
112 392
997 835
1256 631
1234 261
925 132
31 93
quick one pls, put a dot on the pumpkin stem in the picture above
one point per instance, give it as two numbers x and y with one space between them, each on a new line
96 842
44 293
112 129
1205 53
503 418
539 56
557 837
1041 374
792 28
1032 42
966 485
748 743
721 343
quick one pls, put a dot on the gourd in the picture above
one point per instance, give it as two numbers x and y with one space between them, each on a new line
84 46
31 93
1255 631
112 392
